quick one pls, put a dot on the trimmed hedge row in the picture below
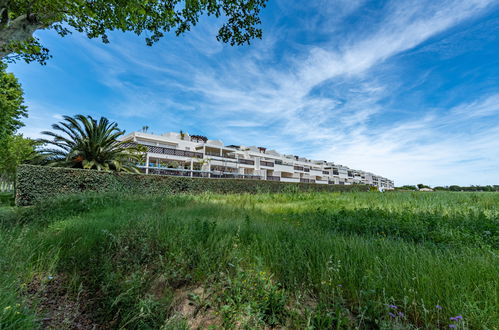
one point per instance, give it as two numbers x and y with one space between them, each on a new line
35 183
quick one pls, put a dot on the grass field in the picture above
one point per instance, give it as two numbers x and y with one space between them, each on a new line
297 260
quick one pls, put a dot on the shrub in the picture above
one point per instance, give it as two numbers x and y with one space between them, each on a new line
36 183
6 199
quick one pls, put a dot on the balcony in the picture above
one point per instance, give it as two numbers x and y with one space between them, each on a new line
290 180
246 161
298 168
227 175
306 181
198 174
217 154
325 172
265 163
273 178
169 171
223 162
170 151
283 168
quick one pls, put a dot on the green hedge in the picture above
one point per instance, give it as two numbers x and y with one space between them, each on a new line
35 183
6 199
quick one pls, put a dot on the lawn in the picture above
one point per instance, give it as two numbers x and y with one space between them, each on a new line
298 260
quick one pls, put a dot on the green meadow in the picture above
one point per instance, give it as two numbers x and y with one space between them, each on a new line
395 260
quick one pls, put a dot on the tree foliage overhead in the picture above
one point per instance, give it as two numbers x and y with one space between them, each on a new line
19 19
12 108
84 142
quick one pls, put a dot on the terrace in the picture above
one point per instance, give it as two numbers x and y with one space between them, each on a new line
159 170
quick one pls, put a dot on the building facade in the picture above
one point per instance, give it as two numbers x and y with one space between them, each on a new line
182 154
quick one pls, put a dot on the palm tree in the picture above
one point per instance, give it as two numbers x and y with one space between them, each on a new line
90 144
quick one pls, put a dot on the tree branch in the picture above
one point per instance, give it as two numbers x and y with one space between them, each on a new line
18 30
4 16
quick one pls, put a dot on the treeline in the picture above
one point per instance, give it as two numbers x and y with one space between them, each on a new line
451 188
470 188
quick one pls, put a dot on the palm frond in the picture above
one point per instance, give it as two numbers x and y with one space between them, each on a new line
83 142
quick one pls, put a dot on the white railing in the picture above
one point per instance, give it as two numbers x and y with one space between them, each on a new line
6 186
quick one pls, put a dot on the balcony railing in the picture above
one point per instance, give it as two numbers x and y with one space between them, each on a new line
306 169
278 162
169 171
246 161
281 164
273 178
265 163
217 154
298 168
325 172
306 180
170 151
197 174
212 153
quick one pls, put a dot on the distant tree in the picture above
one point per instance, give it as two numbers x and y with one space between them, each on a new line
16 150
19 19
83 142
12 108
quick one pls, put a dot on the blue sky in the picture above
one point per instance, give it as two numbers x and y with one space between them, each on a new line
405 89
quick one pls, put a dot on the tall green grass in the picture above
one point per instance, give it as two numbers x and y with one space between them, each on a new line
307 260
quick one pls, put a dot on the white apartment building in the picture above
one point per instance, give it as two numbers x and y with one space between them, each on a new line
182 154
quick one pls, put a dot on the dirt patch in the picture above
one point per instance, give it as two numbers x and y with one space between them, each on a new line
48 296
194 306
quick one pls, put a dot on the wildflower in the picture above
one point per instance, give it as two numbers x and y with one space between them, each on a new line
7 308
401 314
392 315
452 326
393 306
456 318
438 307
339 285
